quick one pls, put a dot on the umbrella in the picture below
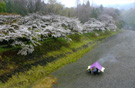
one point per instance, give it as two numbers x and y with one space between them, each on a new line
97 65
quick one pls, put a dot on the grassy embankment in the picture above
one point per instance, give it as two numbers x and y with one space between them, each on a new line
67 51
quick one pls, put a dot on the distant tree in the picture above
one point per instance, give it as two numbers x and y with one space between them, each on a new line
34 5
112 12
58 8
69 12
95 13
77 7
129 17
85 2
8 6
51 6
2 6
52 1
84 13
101 9
72 12
88 4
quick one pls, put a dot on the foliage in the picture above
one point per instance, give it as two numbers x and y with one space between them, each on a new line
82 11
128 17
115 13
23 7
26 32
2 7
95 13
75 37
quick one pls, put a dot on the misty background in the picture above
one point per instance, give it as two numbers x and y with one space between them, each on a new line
122 11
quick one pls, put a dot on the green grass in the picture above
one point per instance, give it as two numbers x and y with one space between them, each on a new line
4 48
53 47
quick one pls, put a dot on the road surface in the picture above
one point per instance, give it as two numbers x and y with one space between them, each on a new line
116 54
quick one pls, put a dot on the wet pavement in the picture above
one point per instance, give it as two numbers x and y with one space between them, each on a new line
116 54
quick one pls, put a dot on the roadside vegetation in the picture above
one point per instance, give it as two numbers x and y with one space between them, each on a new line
61 51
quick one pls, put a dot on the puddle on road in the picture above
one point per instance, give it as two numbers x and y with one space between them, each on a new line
108 58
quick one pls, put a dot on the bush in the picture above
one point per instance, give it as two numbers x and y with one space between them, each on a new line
75 37
2 7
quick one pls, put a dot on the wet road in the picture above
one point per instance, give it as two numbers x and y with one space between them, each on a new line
116 54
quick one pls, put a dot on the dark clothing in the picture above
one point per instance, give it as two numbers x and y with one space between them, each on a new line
96 71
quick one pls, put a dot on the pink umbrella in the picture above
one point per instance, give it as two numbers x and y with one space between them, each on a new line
97 65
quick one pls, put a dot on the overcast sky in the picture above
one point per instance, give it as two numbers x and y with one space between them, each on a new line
71 3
